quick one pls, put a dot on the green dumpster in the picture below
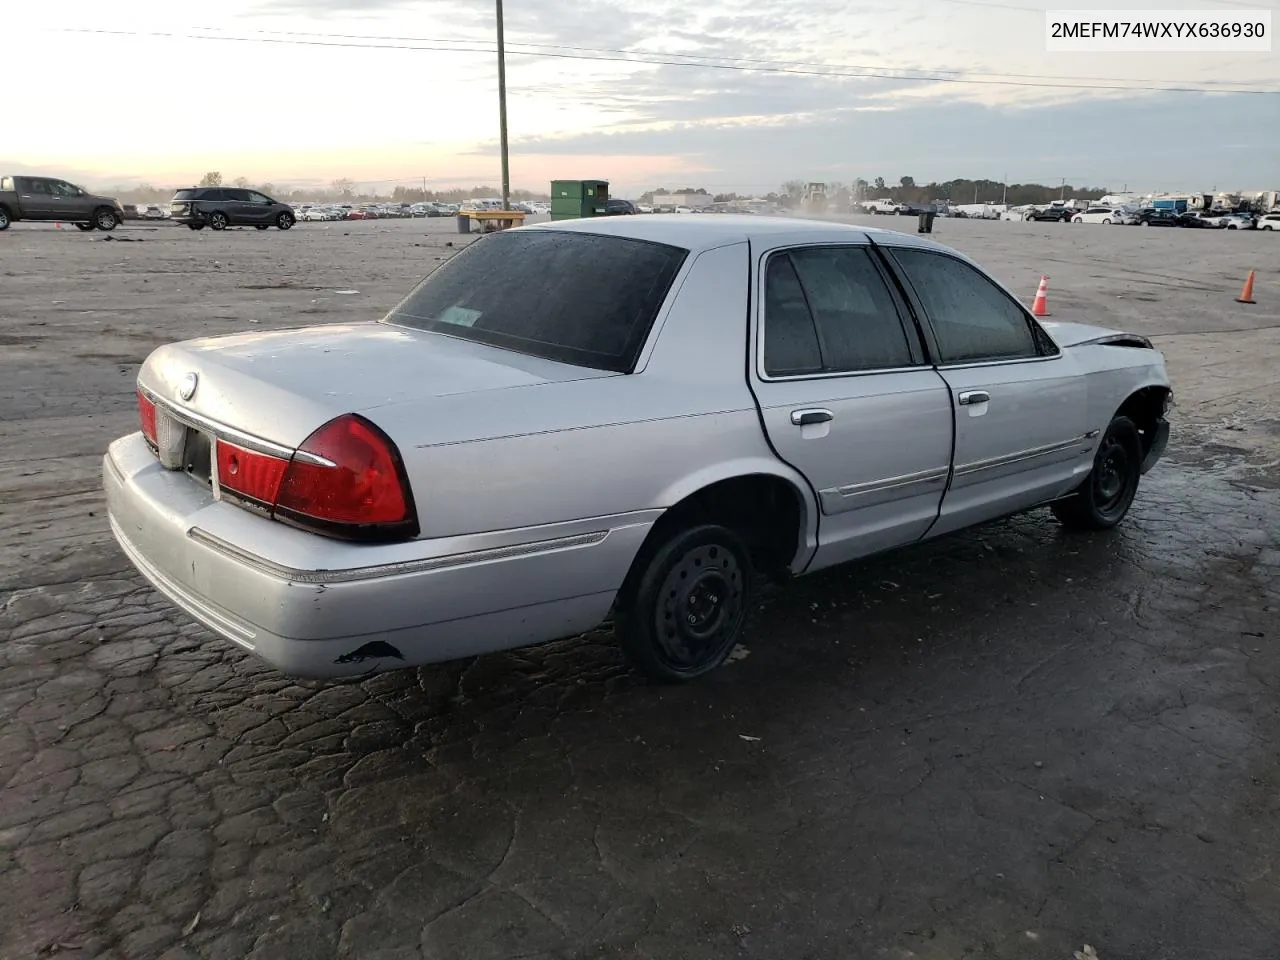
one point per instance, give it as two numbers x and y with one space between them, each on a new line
571 199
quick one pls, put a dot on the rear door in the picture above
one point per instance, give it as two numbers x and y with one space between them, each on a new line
1021 411
847 397
35 198
238 207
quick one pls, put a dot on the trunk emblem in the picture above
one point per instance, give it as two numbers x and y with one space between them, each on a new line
187 389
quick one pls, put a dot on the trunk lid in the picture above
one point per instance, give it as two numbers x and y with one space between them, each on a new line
281 385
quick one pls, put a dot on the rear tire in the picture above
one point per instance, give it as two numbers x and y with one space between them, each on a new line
260 226
86 227
196 226
218 220
4 219
1106 494
685 603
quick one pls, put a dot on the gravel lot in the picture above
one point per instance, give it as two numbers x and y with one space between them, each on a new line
1006 744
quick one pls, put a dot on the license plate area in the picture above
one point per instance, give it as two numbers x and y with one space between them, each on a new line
197 457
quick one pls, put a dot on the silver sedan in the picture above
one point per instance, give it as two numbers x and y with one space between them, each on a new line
636 417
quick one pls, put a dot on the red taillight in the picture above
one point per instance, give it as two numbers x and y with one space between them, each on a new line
248 473
147 417
346 480
364 487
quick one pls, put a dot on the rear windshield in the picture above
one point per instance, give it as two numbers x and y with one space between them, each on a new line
577 298
184 194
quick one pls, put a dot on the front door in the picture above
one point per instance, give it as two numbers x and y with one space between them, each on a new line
258 209
70 201
1021 412
847 398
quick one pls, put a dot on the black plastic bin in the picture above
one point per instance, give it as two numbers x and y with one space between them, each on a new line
926 222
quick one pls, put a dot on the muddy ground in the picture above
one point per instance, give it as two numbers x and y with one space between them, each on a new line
1006 744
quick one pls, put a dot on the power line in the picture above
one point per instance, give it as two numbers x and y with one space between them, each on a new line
744 60
743 68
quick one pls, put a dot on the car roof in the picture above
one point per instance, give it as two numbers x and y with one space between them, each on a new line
707 231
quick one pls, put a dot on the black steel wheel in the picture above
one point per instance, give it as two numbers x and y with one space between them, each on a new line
1105 496
218 220
686 602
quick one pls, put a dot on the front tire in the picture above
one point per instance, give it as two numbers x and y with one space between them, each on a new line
684 606
218 220
105 218
284 221
1104 498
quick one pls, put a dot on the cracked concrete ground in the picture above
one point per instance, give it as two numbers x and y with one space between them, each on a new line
1005 744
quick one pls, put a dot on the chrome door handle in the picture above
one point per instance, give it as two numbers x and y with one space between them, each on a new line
802 418
974 396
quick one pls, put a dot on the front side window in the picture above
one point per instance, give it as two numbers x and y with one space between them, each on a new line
829 310
255 197
579 298
61 188
973 320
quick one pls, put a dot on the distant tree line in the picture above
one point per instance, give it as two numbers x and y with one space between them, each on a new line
793 192
342 190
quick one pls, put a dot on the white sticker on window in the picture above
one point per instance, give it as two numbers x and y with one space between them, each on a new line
461 316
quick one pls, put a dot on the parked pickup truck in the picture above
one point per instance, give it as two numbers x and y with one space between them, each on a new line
47 199
885 206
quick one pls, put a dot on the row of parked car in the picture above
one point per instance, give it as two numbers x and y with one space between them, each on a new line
1164 217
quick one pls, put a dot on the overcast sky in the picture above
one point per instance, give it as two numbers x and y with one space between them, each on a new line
286 94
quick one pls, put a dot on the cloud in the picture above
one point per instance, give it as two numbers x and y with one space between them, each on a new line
945 140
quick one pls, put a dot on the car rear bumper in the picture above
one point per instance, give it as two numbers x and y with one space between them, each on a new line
314 607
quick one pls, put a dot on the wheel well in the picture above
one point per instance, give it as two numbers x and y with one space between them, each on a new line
1145 408
764 510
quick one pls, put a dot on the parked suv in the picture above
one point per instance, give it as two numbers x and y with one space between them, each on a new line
222 207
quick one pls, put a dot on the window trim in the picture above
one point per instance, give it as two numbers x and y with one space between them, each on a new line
920 359
1039 336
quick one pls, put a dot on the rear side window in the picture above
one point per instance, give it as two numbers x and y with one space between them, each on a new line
6 183
186 195
577 298
973 320
829 310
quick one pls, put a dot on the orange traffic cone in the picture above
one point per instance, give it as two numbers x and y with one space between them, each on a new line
57 225
1041 306
1246 295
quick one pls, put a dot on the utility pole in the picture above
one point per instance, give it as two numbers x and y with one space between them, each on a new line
1061 196
1004 194
502 111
